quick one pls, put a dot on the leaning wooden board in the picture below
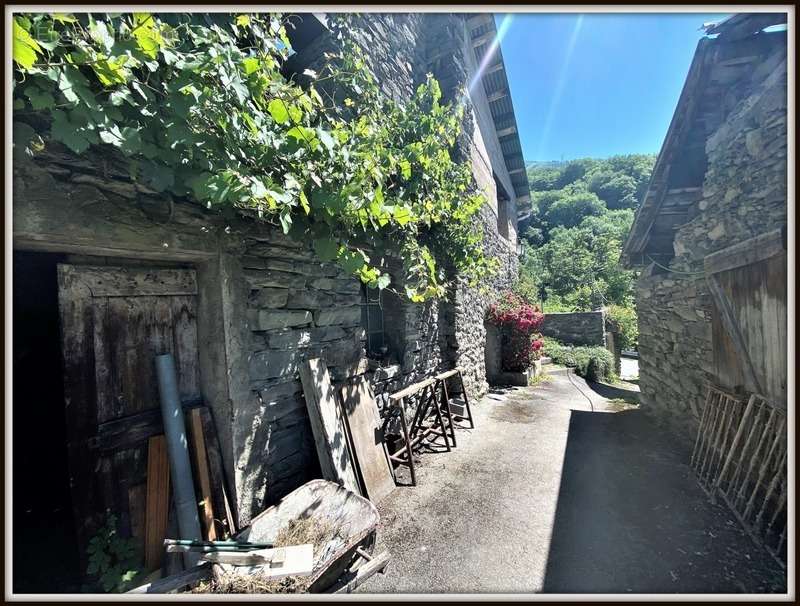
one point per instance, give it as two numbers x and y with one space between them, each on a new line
361 414
328 425
157 505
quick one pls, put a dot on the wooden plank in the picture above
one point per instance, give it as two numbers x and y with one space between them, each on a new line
136 282
132 430
278 561
80 403
746 253
731 325
327 425
176 581
375 564
218 477
202 474
411 390
361 414
157 513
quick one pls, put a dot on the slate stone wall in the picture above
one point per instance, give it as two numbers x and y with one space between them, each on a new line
744 195
270 304
576 328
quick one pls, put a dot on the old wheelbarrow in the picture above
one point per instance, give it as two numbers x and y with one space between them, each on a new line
343 558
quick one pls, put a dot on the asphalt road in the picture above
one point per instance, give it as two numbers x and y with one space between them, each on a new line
559 489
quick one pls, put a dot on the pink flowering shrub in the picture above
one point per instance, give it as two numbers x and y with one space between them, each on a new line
519 323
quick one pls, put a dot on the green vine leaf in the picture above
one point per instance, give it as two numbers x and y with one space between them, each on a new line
25 48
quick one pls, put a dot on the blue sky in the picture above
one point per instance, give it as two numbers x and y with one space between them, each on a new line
597 84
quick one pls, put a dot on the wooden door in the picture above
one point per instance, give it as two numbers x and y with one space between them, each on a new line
748 284
114 321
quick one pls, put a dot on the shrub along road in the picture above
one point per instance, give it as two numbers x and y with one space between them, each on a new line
562 492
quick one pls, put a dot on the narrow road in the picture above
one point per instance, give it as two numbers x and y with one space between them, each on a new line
559 489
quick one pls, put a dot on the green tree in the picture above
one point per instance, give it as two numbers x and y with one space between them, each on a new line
614 189
570 210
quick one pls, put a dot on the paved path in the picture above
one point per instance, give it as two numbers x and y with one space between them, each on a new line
557 491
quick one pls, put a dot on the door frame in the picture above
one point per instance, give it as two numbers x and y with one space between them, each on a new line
221 325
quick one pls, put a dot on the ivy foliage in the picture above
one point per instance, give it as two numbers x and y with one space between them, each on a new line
114 561
199 106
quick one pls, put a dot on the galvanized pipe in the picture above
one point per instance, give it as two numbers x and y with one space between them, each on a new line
178 450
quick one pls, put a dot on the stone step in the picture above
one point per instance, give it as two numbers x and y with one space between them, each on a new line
545 360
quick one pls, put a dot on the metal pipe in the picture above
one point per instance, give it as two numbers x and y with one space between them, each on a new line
178 450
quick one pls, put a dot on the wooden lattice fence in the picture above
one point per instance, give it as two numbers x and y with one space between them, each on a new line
740 454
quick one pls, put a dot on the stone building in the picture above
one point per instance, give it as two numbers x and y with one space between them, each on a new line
239 303
710 236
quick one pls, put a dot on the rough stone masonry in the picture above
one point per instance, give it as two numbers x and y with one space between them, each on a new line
265 302
744 194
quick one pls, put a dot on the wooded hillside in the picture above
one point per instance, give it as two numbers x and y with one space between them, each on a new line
582 212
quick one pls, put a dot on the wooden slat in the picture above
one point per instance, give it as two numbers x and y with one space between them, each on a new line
202 475
746 253
361 414
134 429
327 425
220 488
176 581
157 501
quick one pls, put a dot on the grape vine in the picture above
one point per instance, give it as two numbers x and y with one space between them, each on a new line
199 107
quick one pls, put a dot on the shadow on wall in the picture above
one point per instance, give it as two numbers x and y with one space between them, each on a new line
632 518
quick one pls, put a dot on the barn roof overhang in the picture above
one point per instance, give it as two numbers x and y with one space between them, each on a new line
676 182
483 33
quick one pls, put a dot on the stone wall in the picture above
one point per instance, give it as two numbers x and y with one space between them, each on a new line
267 304
744 194
576 328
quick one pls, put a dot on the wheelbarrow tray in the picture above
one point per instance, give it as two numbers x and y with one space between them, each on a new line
353 518
338 564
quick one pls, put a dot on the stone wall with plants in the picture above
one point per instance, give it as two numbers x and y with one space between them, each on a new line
744 194
285 297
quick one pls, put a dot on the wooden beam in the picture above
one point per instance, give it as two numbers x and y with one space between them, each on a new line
497 95
132 430
483 39
495 67
505 132
746 253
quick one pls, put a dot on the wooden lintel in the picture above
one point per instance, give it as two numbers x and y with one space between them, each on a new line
745 253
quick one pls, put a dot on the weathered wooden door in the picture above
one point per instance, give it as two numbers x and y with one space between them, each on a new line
748 284
114 321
